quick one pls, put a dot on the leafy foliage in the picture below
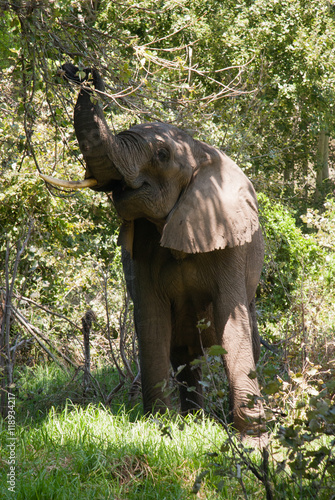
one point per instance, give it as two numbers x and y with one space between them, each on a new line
67 232
290 254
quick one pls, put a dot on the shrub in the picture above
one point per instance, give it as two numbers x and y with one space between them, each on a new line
289 254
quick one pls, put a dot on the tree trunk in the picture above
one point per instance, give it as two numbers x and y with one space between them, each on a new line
3 377
87 320
289 175
322 169
6 358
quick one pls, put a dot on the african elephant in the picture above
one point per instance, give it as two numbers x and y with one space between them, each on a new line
192 249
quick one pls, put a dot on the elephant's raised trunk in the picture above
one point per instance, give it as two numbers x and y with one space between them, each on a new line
107 157
98 145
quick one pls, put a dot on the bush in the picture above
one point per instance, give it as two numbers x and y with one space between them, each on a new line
289 255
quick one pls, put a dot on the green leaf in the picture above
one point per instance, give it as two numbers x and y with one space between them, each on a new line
192 388
179 369
252 374
225 447
216 350
272 387
81 75
198 481
298 378
203 324
314 425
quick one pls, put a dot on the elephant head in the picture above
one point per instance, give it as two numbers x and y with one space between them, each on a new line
157 171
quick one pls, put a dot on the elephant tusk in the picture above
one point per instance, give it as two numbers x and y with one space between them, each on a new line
86 183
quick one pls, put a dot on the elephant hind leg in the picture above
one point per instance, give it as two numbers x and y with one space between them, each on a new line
189 377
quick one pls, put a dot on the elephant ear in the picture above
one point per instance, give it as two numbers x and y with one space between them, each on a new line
217 210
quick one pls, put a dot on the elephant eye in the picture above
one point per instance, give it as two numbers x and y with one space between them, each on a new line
163 154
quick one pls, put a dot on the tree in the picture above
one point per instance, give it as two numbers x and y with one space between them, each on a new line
255 78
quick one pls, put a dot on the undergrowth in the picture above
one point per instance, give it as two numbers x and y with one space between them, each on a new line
92 453
85 450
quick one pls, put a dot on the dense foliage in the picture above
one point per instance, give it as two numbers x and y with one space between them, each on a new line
255 78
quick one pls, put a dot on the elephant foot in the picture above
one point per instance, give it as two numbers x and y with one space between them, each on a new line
251 424
158 407
258 440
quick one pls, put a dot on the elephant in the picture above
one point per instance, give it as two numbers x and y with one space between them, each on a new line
192 249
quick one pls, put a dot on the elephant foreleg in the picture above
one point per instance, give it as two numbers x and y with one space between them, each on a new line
153 326
237 340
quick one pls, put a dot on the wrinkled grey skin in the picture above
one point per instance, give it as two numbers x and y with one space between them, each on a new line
192 249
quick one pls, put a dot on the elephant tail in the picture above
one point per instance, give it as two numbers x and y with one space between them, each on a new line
257 340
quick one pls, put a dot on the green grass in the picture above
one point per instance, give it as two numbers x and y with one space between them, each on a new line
80 450
89 453
42 387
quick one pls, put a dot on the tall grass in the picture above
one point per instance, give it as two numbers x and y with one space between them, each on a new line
89 453
80 450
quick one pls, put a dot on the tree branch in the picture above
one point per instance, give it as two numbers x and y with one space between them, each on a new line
37 334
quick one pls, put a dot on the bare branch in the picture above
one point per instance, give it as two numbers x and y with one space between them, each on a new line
123 330
119 369
47 310
37 334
